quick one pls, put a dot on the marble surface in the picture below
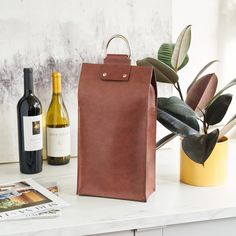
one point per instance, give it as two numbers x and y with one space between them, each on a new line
173 202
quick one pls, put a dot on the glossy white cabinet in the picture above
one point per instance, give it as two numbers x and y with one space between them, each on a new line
149 232
222 227
122 233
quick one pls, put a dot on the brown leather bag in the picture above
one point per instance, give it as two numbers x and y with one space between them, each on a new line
117 129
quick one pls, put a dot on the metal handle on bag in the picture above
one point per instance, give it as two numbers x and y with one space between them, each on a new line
121 37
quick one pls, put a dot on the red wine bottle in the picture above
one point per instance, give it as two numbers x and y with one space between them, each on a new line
30 128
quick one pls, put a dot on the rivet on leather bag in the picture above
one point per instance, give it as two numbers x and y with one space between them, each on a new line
117 129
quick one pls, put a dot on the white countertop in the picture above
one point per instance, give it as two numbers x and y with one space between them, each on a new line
172 203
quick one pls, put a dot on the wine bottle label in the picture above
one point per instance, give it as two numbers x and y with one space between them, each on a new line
33 133
58 142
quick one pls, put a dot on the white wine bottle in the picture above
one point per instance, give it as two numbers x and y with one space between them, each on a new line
58 126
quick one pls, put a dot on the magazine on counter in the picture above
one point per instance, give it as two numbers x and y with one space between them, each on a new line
52 187
41 215
28 199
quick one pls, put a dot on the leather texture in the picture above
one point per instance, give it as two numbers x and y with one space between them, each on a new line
117 130
117 59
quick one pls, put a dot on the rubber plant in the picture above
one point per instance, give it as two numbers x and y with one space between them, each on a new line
191 117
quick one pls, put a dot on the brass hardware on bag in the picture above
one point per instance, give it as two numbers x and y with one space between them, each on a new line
121 37
112 72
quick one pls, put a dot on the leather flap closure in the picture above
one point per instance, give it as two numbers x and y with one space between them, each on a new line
111 72
117 59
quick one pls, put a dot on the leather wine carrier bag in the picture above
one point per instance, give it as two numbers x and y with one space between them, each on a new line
117 129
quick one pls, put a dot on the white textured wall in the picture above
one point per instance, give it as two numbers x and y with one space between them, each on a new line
64 33
227 50
213 37
203 16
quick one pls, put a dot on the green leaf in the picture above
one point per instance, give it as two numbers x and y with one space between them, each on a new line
174 124
201 92
200 72
176 116
163 73
199 147
175 106
227 86
165 53
165 140
181 47
185 62
217 110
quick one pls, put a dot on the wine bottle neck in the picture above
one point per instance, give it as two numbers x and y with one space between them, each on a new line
28 82
57 99
56 81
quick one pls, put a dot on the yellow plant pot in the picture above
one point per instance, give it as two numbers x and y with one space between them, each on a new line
214 171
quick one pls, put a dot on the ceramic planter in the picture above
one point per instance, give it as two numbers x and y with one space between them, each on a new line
214 171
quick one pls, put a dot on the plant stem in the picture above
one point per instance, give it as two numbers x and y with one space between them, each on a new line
205 126
179 90
178 86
